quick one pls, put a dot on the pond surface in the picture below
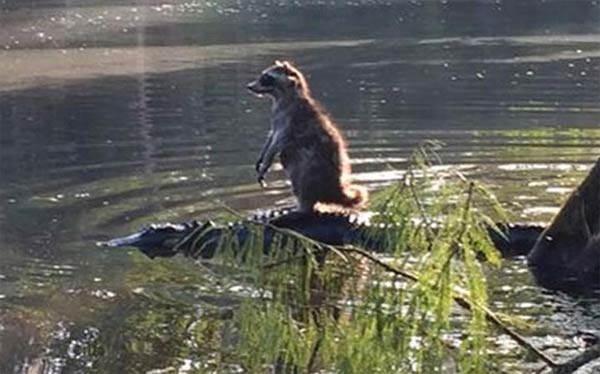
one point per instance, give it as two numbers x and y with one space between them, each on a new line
115 114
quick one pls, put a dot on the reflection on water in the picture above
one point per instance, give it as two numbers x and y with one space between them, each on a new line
115 114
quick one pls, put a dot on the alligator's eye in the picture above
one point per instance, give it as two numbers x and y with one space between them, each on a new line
266 80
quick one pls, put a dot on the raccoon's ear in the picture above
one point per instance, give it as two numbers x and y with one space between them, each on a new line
287 66
294 81
289 69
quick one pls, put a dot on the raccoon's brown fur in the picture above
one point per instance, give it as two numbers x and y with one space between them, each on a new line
310 146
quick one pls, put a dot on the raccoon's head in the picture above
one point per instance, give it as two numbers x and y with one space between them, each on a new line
279 80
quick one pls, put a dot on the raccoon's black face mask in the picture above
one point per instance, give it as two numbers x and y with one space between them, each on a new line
267 80
265 84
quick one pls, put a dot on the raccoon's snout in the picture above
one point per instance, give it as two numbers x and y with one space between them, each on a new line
258 88
250 86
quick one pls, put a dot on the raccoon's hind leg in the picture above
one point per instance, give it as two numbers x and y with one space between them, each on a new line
306 206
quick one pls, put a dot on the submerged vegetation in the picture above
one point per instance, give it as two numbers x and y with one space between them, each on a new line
316 308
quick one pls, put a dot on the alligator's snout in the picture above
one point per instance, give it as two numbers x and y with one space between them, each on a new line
126 241
156 240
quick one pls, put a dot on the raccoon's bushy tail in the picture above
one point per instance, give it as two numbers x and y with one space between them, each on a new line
355 196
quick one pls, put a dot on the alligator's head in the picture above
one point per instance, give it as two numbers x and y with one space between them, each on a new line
154 241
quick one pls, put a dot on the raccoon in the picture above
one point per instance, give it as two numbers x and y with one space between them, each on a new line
310 147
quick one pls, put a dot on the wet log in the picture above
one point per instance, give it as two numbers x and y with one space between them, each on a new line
567 254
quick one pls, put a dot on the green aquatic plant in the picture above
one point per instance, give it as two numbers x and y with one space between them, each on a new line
318 308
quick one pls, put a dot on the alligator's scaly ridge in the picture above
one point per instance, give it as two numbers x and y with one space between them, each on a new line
200 239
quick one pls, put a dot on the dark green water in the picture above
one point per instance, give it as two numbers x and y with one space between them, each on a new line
115 114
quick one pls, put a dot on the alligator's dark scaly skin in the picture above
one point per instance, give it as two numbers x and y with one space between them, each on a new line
201 239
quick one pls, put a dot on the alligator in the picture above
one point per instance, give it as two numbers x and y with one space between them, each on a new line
200 239
565 255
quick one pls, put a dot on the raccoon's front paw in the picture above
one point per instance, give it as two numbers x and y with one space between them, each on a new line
261 181
258 165
261 171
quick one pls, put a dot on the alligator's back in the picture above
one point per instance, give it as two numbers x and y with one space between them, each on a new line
201 239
